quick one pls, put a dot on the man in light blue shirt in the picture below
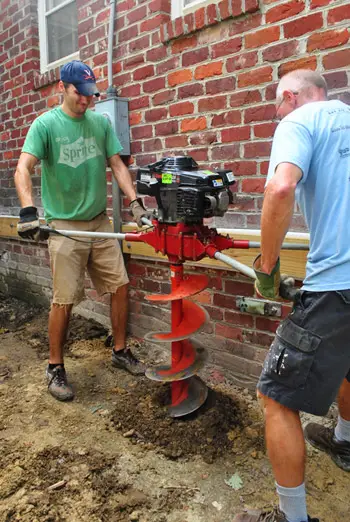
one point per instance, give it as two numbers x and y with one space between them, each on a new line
309 360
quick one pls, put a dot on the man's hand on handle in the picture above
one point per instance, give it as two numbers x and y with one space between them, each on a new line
274 286
28 226
139 211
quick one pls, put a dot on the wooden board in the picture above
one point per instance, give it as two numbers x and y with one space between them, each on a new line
292 261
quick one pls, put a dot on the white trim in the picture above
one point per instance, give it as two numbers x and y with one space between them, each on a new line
178 8
43 37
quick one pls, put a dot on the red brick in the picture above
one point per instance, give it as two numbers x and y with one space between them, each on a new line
203 138
265 130
156 54
154 85
258 338
130 91
235 134
303 63
229 332
189 91
179 77
224 48
246 24
268 325
242 168
337 59
260 113
319 3
279 52
160 5
193 124
253 185
244 98
239 319
242 61
306 24
143 72
153 23
255 77
140 44
182 44
195 56
129 62
339 14
135 118
163 97
164 129
211 14
257 149
250 6
152 145
122 79
225 152
145 131
199 18
212 103
189 23
199 155
139 103
181 108
225 9
327 39
219 86
214 313
136 269
208 70
178 24
168 65
227 118
156 114
176 141
238 288
283 11
263 37
336 80
137 14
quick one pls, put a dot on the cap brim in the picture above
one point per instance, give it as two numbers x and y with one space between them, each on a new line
87 89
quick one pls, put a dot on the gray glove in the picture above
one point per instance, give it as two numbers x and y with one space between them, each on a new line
139 211
28 226
287 289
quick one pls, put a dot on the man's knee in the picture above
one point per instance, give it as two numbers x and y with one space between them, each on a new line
269 406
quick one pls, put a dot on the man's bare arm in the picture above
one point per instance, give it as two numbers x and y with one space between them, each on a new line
122 176
23 182
277 212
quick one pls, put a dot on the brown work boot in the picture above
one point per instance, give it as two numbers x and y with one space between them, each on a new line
58 385
272 515
323 439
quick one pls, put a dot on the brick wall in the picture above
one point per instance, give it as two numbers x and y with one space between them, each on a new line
203 85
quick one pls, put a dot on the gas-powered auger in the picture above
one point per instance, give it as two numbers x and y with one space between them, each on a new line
185 195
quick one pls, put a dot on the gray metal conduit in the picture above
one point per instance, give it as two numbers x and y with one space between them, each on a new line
112 92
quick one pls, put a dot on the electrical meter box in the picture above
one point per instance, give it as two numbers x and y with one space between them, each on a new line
116 110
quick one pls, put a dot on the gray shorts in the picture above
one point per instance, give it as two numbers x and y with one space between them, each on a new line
310 355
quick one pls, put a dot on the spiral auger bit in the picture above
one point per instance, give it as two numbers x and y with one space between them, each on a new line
185 195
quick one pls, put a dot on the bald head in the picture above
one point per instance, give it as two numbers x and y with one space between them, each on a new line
297 88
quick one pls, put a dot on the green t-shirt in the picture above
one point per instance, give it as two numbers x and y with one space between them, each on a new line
73 154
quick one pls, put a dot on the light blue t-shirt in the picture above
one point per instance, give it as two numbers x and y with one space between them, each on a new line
316 138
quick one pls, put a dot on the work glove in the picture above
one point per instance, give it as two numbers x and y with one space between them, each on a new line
274 286
28 226
139 211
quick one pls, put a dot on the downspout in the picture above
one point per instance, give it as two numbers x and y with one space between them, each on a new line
112 93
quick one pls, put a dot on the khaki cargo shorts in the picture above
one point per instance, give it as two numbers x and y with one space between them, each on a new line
69 259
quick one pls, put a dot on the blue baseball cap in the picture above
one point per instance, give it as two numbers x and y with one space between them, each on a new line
81 76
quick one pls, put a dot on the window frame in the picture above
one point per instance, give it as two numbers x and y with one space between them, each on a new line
45 66
178 9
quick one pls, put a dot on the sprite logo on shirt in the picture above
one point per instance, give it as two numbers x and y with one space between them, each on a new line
74 154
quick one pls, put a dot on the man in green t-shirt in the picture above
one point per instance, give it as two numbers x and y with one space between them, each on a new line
74 144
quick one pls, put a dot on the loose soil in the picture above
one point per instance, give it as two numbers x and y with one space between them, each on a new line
114 455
